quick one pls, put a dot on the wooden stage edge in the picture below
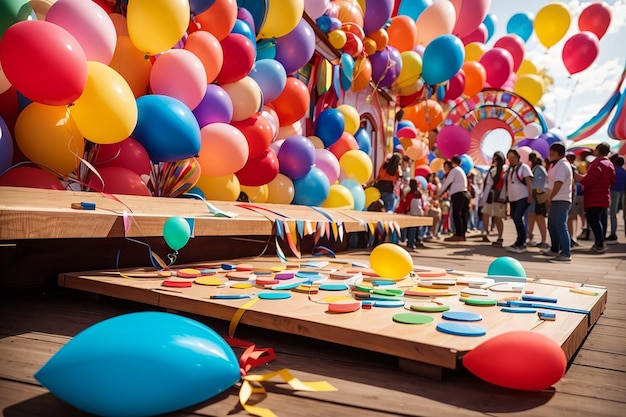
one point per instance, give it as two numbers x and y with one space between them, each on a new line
420 349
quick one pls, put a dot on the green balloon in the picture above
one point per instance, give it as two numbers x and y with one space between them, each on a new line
13 11
176 232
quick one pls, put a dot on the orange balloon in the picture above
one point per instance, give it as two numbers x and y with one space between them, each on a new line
475 77
381 37
131 63
209 50
224 150
426 115
219 19
346 143
349 12
402 33
369 46
293 103
362 74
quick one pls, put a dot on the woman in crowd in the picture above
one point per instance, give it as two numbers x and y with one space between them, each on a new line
520 193
538 210
493 198
387 180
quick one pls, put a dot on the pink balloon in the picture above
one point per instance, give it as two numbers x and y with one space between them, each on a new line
180 74
498 64
580 51
275 146
328 163
595 18
316 8
524 153
224 150
456 85
453 140
89 24
479 35
407 132
510 82
418 150
469 15
436 20
128 154
515 45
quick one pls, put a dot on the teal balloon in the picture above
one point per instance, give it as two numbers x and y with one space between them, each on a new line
312 189
13 11
266 49
521 24
141 364
413 8
176 232
443 58
507 267
358 193
490 24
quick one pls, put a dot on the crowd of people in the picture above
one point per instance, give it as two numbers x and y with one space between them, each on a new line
548 195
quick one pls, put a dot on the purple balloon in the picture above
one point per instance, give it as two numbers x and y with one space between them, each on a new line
296 156
6 147
377 12
215 107
386 66
538 145
296 48
245 15
328 163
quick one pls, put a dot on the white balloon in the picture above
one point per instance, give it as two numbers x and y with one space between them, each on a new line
316 8
532 130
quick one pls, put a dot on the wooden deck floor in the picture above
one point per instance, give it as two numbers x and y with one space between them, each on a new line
33 328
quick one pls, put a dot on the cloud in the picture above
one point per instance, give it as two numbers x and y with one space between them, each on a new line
618 18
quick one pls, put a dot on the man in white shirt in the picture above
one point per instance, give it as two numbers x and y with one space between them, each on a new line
559 202
455 184
520 191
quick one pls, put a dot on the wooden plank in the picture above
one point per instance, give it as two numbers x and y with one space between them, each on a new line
607 339
602 360
593 382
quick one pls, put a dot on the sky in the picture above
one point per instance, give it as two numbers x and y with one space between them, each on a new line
571 103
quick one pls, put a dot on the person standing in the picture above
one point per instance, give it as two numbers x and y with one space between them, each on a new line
520 192
597 183
560 178
493 198
414 204
387 179
538 210
617 196
455 184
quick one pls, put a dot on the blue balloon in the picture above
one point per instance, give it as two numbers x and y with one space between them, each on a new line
242 28
364 140
443 58
413 8
431 157
22 101
441 92
166 128
506 266
329 126
466 163
521 24
422 181
6 147
347 65
490 24
198 6
312 189
405 123
141 364
195 191
266 49
358 193
258 10
396 142
271 77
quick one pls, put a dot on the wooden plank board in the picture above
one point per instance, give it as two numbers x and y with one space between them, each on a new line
368 329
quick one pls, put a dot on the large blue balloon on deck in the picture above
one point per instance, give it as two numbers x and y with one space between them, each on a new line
312 189
521 24
329 126
141 364
166 128
443 58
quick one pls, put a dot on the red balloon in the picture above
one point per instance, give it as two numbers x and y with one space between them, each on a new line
411 99
293 103
44 62
407 132
353 46
31 177
126 154
515 45
580 51
595 18
456 85
260 170
346 143
258 132
239 56
478 35
118 180
520 360
422 170
498 64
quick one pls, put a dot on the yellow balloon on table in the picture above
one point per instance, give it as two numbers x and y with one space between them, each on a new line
527 67
156 25
339 197
224 188
282 17
411 70
280 190
371 194
391 261
474 51
552 23
257 194
530 87
106 112
352 118
48 136
357 165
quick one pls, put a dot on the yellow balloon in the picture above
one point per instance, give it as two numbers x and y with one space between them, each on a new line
530 87
48 136
391 261
339 197
357 165
436 164
474 51
371 194
337 38
156 25
282 17
131 64
527 67
411 70
552 23
246 97
280 190
106 112
256 194
351 117
224 188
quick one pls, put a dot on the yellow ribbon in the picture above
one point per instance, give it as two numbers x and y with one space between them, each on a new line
238 315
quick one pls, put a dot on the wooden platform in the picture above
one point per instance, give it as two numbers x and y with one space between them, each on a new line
370 329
